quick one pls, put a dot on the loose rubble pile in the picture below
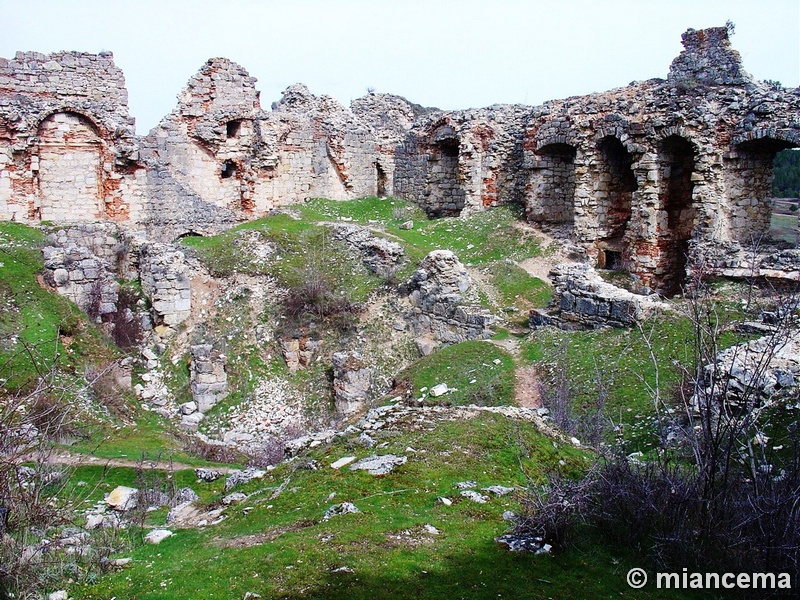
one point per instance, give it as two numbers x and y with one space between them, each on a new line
755 373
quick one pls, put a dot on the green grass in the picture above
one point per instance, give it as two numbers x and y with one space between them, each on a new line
291 552
39 330
617 362
519 289
480 238
467 367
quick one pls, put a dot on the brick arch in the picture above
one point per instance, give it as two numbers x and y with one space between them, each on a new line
620 133
789 137
69 158
99 130
676 131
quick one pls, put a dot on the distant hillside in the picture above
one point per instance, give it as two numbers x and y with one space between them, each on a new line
787 174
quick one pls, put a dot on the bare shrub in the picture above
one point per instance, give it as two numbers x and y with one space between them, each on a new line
220 453
127 327
589 423
719 500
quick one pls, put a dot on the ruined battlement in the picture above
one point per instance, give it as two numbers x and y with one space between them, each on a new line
638 176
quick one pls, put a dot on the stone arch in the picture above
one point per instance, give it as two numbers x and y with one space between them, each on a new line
68 160
445 191
677 213
748 181
615 185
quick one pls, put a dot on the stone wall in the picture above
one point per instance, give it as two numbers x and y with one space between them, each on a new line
440 308
635 175
164 276
584 300
68 151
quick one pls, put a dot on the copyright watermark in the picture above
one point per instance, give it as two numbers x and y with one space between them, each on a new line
637 578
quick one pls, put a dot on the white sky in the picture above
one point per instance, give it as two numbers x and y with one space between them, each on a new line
446 53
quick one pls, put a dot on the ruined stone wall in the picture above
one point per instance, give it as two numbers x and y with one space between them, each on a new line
460 162
67 146
636 175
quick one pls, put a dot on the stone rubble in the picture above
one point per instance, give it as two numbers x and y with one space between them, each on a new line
379 465
436 293
584 300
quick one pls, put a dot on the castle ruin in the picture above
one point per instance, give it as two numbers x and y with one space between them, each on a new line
645 177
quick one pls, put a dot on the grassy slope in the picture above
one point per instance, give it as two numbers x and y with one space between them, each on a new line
39 330
386 545
462 561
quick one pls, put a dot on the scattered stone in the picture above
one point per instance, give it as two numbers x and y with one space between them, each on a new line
498 490
345 508
207 475
187 408
431 529
445 501
475 496
407 225
234 498
465 485
59 595
119 562
379 465
156 536
342 462
439 390
344 569
365 440
185 494
426 345
509 516
521 542
251 596
123 498
241 477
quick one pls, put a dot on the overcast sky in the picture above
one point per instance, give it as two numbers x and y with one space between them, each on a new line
445 53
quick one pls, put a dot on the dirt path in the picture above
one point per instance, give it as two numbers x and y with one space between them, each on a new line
78 460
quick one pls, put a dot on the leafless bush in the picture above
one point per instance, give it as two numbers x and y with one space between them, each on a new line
269 452
589 422
127 327
720 500
219 453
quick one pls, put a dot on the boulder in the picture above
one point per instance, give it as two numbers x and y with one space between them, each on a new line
123 498
379 465
156 536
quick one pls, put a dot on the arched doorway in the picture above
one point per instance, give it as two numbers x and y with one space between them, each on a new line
614 191
70 168
677 163
445 190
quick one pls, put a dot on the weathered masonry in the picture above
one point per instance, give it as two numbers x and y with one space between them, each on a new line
642 177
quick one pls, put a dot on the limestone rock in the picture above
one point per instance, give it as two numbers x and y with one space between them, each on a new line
345 508
352 379
241 477
123 498
156 536
379 465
